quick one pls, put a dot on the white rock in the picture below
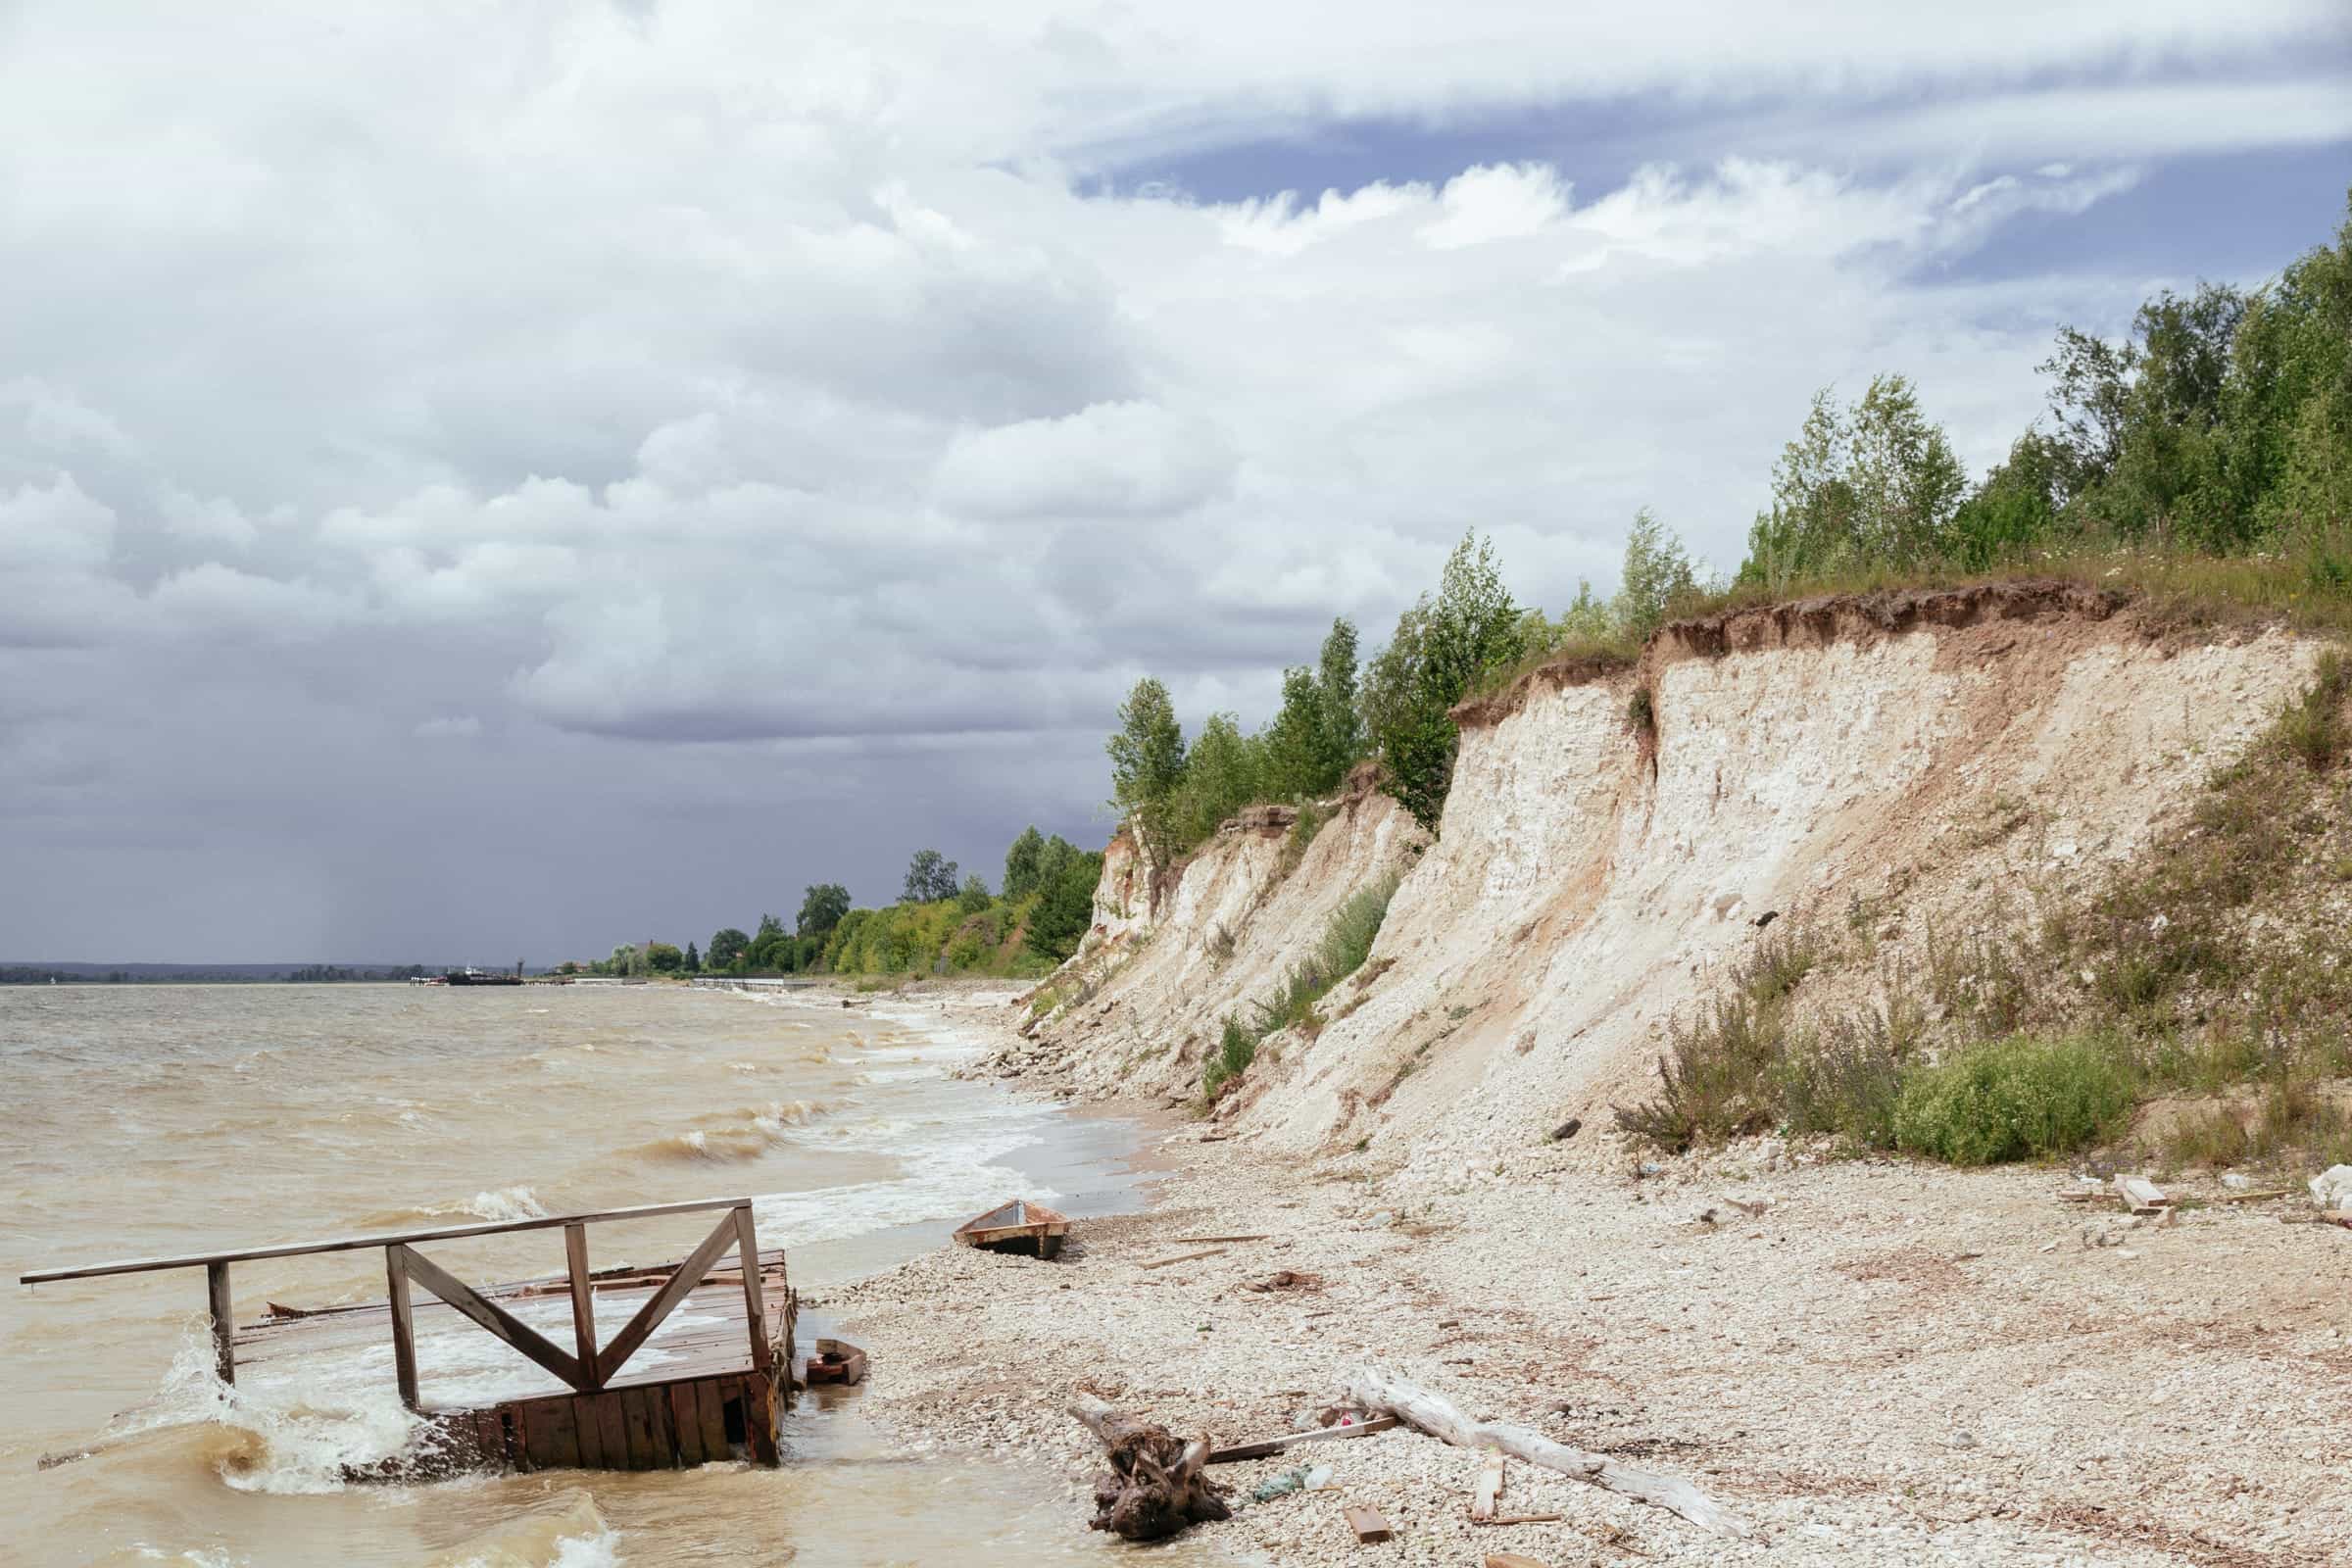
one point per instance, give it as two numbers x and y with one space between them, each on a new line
2332 1188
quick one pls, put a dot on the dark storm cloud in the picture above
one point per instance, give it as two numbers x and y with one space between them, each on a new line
595 480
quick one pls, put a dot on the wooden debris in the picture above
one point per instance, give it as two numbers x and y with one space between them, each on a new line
1219 1239
1371 1390
2140 1196
1284 1279
1368 1525
1184 1258
1489 1486
837 1361
1153 1487
1283 1445
1512 1559
1524 1519
2262 1197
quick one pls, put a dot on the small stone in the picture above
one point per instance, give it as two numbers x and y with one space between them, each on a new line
1964 1439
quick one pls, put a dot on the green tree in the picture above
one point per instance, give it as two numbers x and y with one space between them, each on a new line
626 961
727 946
1875 484
1224 772
1441 649
1023 864
1317 734
1147 763
823 907
664 958
1657 574
930 877
2015 507
694 961
1065 909
972 897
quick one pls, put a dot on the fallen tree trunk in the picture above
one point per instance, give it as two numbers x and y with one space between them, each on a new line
1153 1487
1376 1391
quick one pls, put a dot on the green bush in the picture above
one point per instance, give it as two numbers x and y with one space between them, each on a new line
2014 1098
1236 1049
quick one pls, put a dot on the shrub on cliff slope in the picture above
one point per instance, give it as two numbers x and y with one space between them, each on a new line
1441 648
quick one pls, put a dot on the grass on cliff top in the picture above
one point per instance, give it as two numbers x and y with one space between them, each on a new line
2308 587
2218 964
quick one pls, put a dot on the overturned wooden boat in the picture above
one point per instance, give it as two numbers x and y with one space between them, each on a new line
1016 1226
836 1362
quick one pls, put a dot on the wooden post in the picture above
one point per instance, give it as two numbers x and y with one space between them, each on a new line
404 1332
225 1323
755 1308
583 1303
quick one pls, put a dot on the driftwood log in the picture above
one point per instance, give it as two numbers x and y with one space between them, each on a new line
1376 1391
1153 1487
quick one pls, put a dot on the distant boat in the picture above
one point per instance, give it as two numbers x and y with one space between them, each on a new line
1016 1226
470 976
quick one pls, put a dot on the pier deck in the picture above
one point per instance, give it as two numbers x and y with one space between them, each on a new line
710 1389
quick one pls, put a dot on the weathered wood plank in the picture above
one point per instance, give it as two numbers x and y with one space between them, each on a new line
591 1436
564 1442
760 1420
489 1314
1483 1496
613 1431
686 1421
403 1325
712 1408
518 1436
225 1320
754 1287
583 1302
353 1244
1259 1449
1367 1524
664 1301
634 1411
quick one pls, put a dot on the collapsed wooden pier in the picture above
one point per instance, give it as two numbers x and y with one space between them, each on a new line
719 1393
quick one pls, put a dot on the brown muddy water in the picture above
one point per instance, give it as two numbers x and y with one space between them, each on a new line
147 1121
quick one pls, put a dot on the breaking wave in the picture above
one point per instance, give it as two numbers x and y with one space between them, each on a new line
567 1533
741 1135
505 1203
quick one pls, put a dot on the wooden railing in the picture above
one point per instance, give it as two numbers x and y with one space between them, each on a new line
587 1367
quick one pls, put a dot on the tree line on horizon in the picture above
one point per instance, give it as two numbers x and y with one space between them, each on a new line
2217 432
942 922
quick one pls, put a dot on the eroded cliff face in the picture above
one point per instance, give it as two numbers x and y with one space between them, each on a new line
1170 956
1912 756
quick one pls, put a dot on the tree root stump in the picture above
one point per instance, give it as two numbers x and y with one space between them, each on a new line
1153 1487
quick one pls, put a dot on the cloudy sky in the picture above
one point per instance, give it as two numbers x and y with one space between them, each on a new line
482 480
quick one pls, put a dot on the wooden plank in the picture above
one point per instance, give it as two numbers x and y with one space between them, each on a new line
1185 1258
686 1421
613 1431
1179 1240
1483 1496
353 1244
591 1435
1525 1519
404 1327
1513 1559
489 1314
519 1437
639 1419
1368 1525
666 1428
583 1302
1258 1451
760 1420
225 1322
564 1436
2139 1192
712 1408
754 1299
2262 1197
490 1434
664 1301
538 1433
